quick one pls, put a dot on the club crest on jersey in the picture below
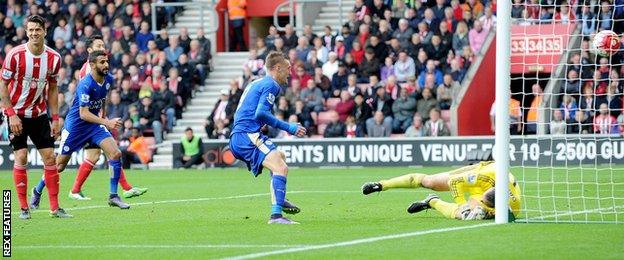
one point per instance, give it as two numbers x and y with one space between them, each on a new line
472 178
84 98
271 98
107 86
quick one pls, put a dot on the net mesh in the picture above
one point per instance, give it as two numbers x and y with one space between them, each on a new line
566 108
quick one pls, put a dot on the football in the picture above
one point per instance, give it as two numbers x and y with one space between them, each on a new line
606 43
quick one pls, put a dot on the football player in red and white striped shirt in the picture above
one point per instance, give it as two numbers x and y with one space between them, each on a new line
92 151
29 76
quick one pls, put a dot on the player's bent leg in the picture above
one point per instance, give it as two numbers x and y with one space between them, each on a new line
110 148
129 190
412 180
447 209
421 205
61 163
275 163
436 182
93 156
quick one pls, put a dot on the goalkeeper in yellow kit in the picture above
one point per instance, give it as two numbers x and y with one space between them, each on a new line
477 180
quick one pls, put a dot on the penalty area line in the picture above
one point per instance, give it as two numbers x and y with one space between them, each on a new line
356 241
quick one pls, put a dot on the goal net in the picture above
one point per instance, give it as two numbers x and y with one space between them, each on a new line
566 119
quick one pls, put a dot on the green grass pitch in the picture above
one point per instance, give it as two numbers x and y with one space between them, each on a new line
221 213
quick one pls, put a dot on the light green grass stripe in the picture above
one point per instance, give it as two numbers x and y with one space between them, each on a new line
151 246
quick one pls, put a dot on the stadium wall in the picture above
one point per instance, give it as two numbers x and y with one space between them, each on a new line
34 158
473 110
441 151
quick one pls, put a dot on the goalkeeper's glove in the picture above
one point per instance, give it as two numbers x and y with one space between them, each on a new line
477 213
464 210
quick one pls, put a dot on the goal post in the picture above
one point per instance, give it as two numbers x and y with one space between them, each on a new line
568 157
503 81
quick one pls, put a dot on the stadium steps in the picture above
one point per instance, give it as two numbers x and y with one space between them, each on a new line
190 18
329 15
228 65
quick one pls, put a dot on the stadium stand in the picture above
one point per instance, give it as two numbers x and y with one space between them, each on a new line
382 49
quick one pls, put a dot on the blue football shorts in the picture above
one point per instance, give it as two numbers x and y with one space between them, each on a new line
251 148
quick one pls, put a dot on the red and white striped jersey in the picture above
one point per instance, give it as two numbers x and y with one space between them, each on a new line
28 77
86 69
605 124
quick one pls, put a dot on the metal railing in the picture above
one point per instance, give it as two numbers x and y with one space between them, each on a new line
203 10
290 4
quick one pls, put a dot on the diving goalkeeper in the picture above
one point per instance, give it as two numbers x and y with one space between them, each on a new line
477 180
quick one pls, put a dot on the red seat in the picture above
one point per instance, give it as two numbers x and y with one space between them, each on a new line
323 118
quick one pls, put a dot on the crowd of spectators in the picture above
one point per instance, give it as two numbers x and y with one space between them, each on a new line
592 92
155 74
390 70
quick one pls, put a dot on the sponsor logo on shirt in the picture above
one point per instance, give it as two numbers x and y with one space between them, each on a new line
84 98
6 73
271 98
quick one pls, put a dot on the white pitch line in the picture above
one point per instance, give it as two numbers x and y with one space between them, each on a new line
151 246
212 198
357 241
412 234
572 213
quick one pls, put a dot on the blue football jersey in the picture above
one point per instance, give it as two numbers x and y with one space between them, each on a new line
88 94
259 93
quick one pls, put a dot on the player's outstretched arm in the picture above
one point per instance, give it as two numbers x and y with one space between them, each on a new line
456 187
264 115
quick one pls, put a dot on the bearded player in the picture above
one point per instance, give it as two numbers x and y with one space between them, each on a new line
478 180
83 126
29 78
94 43
248 144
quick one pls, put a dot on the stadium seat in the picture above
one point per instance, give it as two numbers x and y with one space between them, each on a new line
323 119
397 135
331 103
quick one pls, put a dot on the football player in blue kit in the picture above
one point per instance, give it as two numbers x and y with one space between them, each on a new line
248 144
83 126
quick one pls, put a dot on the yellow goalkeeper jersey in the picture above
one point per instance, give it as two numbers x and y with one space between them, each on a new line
476 180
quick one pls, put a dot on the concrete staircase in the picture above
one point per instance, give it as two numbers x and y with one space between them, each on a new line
330 14
190 18
227 66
